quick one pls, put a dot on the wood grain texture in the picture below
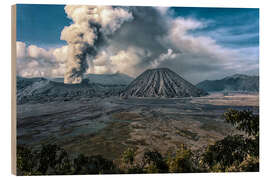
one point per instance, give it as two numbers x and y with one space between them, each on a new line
13 89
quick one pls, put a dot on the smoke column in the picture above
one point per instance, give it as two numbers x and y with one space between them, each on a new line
92 25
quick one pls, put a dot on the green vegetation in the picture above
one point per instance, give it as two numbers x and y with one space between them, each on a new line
51 159
153 162
181 161
128 156
93 165
234 153
244 121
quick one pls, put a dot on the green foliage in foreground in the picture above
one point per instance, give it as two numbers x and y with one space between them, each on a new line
181 161
93 165
238 152
234 153
230 151
153 162
244 121
51 159
128 156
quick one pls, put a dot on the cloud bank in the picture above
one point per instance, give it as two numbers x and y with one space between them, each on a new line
131 40
33 61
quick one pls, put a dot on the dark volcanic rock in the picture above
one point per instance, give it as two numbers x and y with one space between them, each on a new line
37 90
161 82
237 82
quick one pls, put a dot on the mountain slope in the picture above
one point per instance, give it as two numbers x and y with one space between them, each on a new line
105 79
161 82
43 90
237 82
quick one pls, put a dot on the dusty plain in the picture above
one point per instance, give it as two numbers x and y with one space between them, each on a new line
108 126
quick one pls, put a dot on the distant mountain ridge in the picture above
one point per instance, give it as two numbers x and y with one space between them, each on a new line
161 82
44 90
105 79
236 82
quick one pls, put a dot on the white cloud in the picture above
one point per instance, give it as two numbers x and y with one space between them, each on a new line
163 57
101 59
112 18
201 57
125 61
162 10
38 53
61 54
21 49
33 61
158 41
184 24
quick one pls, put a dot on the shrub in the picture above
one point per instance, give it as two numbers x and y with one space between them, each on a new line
225 152
243 120
237 152
128 156
53 160
93 165
250 164
25 161
181 161
154 163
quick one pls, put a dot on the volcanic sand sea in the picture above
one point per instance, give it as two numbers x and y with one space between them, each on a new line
108 126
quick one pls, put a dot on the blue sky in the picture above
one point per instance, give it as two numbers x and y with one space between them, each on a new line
41 24
197 43
230 27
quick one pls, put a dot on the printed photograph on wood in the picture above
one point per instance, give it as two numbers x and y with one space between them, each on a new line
129 90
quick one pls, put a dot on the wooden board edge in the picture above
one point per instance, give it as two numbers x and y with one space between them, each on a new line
13 89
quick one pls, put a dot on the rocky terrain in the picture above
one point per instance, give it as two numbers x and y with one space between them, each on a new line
161 112
152 83
237 82
161 82
38 90
108 126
